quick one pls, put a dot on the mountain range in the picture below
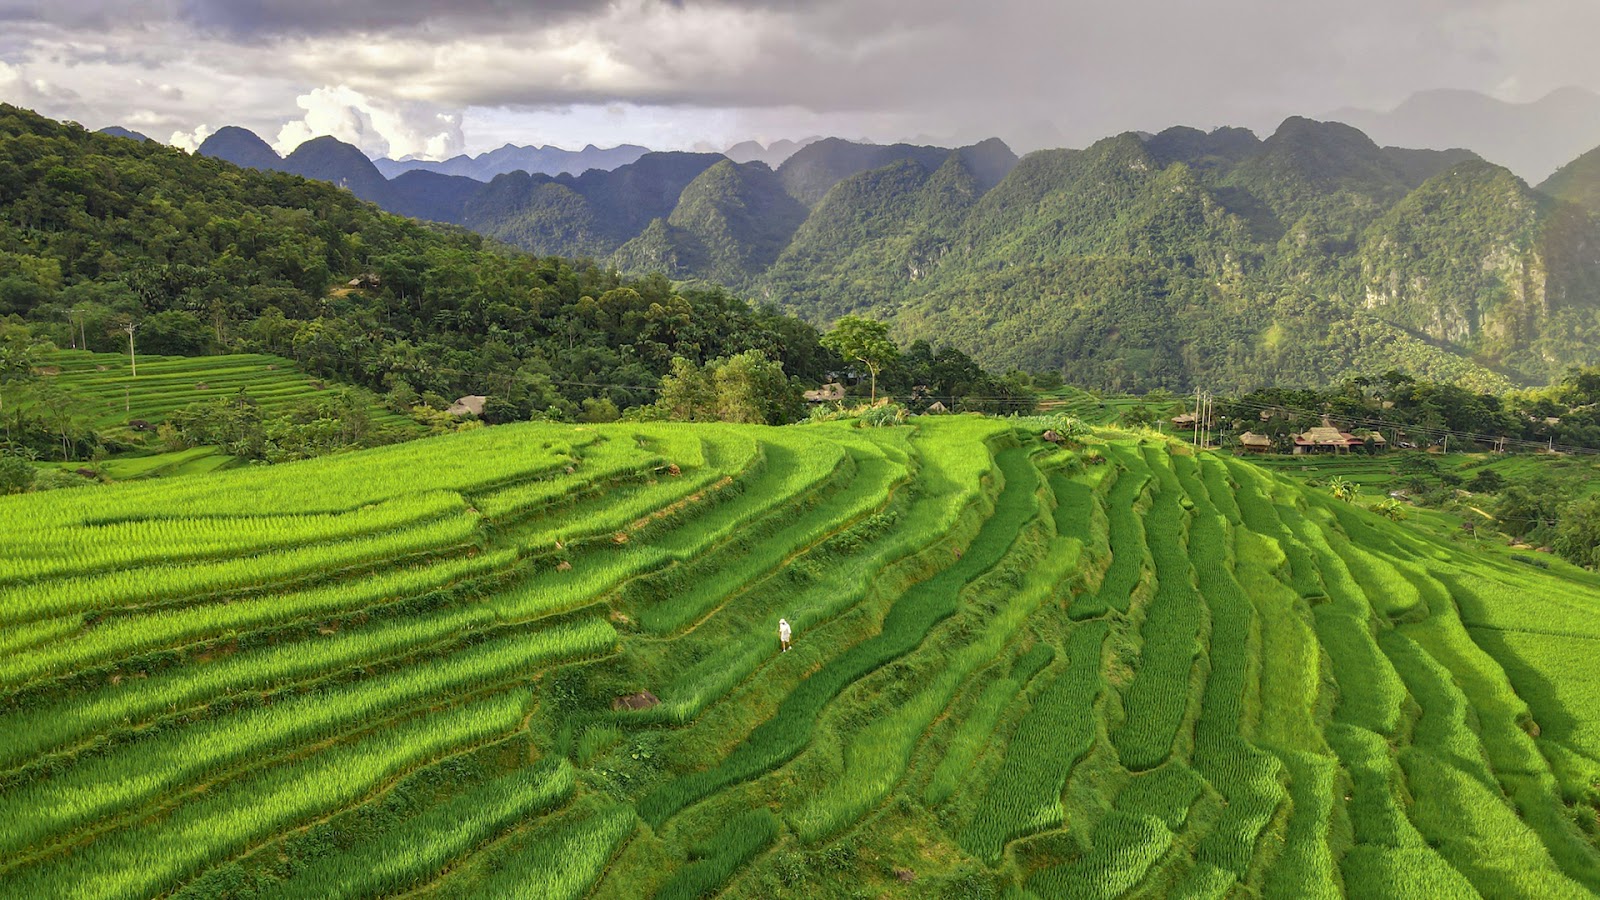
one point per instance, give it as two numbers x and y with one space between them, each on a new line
512 158
1531 139
772 154
1145 260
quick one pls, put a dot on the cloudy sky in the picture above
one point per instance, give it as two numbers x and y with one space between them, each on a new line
410 77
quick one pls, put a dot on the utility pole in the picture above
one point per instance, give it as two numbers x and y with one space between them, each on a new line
1194 436
1202 419
133 363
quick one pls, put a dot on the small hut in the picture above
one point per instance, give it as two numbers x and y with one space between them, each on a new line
1185 422
937 409
1250 442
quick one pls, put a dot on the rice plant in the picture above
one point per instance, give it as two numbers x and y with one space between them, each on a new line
414 853
1158 697
561 862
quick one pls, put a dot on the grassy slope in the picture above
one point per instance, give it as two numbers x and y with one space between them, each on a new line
1166 674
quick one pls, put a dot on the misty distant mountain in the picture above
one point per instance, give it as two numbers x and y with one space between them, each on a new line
510 158
243 148
1420 165
815 168
773 154
1531 139
119 131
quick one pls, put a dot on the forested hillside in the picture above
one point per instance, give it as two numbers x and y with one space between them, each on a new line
97 232
1184 259
1175 260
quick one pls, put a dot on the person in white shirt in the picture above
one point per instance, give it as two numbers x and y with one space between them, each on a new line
783 634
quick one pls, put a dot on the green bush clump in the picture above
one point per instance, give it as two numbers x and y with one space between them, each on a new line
885 416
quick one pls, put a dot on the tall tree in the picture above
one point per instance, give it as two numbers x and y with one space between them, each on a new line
865 341
687 394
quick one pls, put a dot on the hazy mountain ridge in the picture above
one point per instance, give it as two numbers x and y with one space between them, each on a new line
545 160
1530 139
773 154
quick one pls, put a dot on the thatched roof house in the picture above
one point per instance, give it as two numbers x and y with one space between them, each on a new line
828 393
1327 439
1250 442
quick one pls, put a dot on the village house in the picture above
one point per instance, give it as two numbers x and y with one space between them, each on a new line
1327 439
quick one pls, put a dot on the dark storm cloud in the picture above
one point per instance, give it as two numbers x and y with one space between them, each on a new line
264 19
1068 71
1095 65
95 14
267 18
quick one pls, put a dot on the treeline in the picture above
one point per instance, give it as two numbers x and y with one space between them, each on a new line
1422 413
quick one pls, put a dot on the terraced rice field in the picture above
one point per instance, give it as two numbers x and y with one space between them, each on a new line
1096 409
110 394
542 661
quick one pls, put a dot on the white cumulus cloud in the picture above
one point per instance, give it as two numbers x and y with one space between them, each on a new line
378 127
191 140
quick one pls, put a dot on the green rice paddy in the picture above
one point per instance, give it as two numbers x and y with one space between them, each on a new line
541 661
